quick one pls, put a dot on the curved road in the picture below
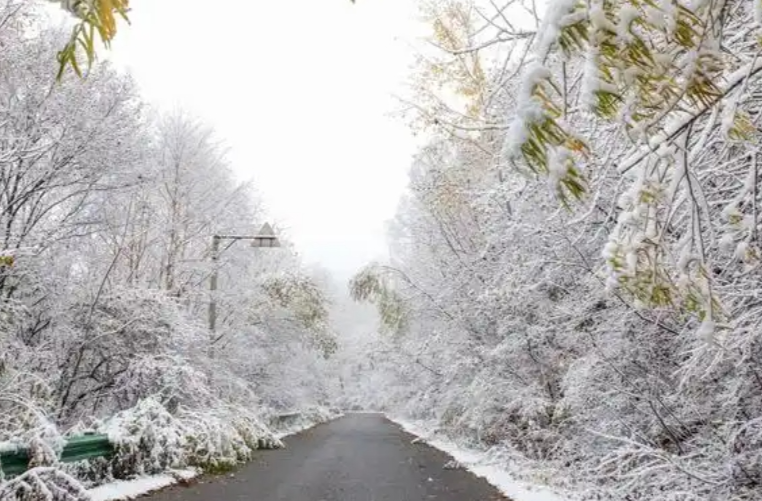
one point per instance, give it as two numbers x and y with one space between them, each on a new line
360 457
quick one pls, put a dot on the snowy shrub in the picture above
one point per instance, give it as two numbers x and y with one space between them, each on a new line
43 484
44 442
147 440
221 438
37 434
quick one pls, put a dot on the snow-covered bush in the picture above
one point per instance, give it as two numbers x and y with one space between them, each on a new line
43 484
219 439
147 439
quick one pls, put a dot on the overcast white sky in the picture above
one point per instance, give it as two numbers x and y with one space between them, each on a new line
300 91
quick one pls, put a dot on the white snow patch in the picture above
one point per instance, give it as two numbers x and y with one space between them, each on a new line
130 489
558 15
8 446
476 462
529 109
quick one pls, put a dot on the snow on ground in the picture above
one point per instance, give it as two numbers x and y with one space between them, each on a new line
477 463
130 489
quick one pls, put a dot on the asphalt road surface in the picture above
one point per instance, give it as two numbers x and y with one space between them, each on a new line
360 457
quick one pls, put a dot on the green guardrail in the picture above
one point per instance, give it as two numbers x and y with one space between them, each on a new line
77 448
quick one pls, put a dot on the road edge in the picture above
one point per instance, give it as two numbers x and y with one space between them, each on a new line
476 462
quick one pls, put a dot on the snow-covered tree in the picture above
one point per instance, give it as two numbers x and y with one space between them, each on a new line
107 213
576 262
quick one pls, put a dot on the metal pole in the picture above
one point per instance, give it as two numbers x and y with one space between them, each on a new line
265 234
212 293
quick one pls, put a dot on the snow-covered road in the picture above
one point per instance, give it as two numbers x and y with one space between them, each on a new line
360 457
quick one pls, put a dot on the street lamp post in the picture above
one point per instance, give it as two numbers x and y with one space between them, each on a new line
265 238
